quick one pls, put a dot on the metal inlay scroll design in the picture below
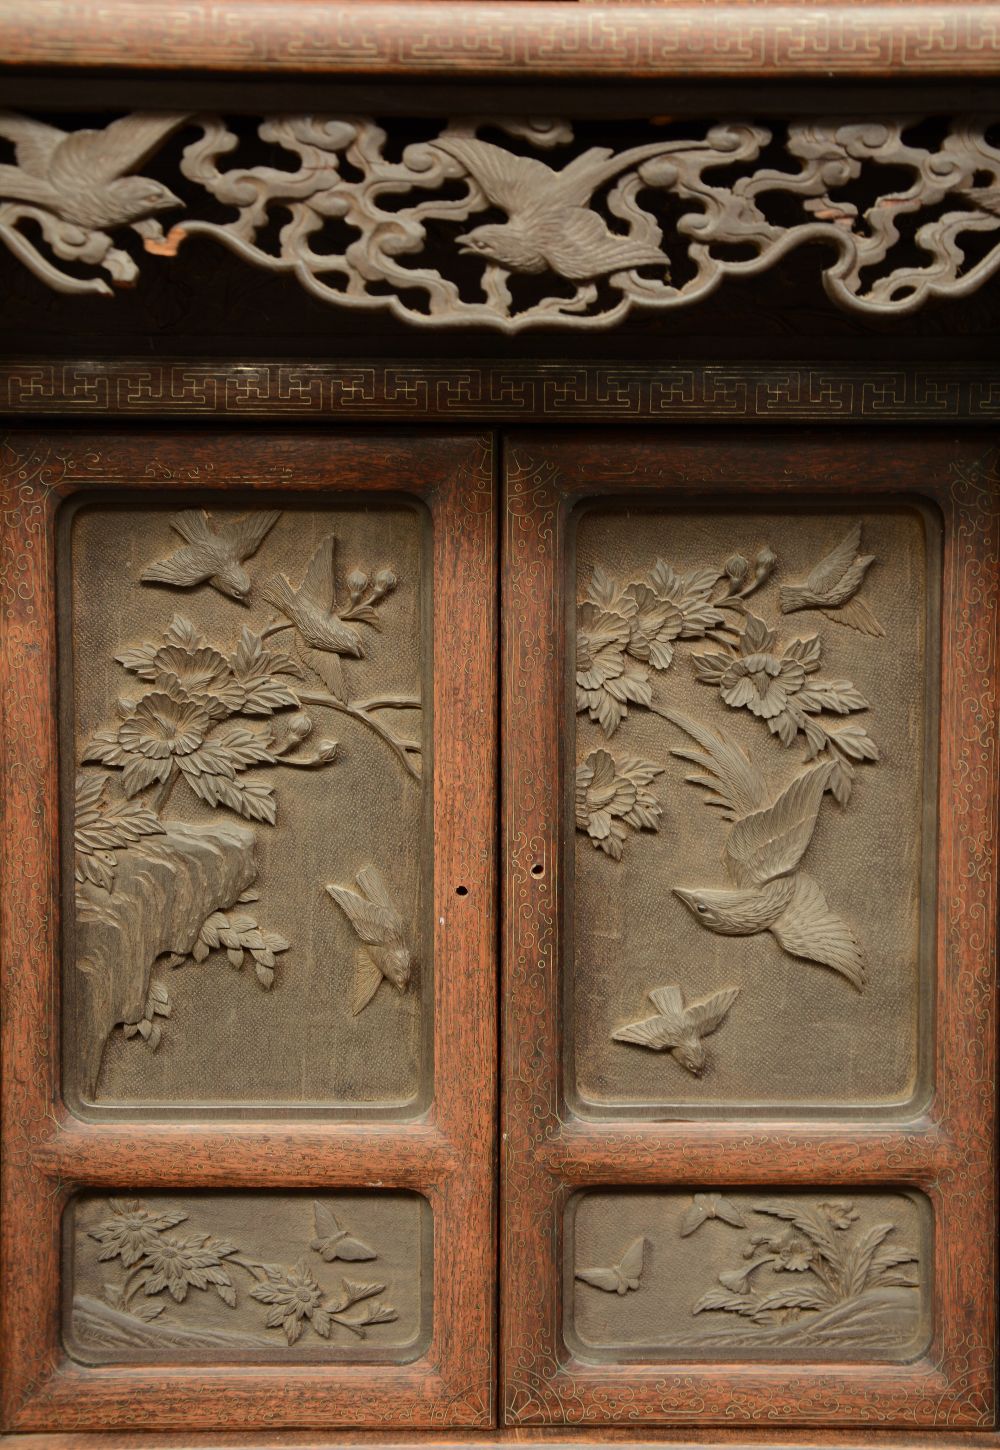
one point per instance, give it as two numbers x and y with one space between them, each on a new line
511 223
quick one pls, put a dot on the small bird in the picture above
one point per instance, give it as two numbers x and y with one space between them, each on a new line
79 175
550 225
312 608
333 1242
213 553
710 1205
620 1277
385 955
679 1029
831 585
765 845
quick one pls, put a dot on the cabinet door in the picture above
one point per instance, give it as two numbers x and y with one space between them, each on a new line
750 774
248 727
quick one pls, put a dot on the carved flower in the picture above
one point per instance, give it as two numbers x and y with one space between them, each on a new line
773 684
295 1297
132 1231
841 1213
163 725
606 681
181 1264
613 793
795 1253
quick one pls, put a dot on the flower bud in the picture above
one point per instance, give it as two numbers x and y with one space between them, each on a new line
736 567
299 726
327 750
386 580
765 562
357 580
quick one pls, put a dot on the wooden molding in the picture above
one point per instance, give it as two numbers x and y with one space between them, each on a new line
431 38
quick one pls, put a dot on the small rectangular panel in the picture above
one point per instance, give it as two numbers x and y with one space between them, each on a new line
247 1276
747 1275
253 861
755 697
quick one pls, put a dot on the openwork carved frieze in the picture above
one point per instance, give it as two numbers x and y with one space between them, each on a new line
740 922
247 725
514 223
158 1277
751 1275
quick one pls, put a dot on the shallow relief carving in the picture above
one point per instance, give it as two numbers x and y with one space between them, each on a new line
268 736
512 223
751 1274
809 750
341 1276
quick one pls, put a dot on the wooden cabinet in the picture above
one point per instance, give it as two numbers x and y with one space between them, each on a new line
499 538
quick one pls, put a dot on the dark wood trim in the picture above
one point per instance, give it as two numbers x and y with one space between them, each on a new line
948 1152
502 392
431 38
448 1155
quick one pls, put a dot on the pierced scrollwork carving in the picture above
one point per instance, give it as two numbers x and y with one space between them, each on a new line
466 230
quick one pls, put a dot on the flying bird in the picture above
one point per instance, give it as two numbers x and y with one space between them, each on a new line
80 175
620 1277
312 608
213 552
550 225
710 1205
832 585
762 853
384 955
334 1242
679 1029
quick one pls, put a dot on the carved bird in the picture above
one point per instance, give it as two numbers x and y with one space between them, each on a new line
621 1277
213 552
385 955
678 1029
832 584
80 175
710 1205
765 845
312 608
550 226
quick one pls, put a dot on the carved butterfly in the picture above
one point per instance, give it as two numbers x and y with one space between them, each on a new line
333 1242
710 1205
621 1277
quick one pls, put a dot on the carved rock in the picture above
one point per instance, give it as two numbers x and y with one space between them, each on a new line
165 888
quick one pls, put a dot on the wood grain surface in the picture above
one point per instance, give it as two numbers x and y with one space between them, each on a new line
448 1155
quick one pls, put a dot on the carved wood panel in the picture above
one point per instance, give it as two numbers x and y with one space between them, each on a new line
249 796
750 843
256 1181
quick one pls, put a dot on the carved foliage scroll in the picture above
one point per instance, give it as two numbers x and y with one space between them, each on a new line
513 223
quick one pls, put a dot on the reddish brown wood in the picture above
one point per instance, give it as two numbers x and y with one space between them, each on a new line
949 1153
449 1155
437 38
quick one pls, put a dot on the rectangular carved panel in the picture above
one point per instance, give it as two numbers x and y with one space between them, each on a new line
242 706
755 695
667 1275
341 1276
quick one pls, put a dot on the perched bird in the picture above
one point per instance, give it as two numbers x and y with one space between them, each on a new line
710 1205
832 584
213 553
312 608
80 175
385 954
765 845
333 1242
620 1277
679 1029
550 226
